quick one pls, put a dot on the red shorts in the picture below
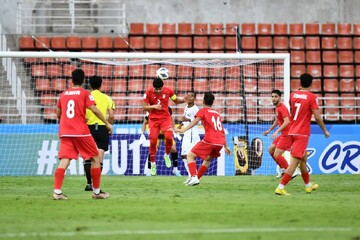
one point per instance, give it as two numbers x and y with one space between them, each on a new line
203 150
299 145
283 142
157 125
70 147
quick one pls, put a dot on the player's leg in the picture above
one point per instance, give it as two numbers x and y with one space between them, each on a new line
204 167
153 137
168 140
309 186
213 152
193 180
185 148
174 155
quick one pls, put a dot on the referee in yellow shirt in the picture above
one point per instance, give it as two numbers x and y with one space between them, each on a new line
97 127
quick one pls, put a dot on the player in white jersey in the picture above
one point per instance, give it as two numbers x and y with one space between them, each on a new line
191 136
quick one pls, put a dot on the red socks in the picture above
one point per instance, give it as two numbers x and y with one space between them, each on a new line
202 170
285 179
281 161
192 168
95 175
59 178
306 177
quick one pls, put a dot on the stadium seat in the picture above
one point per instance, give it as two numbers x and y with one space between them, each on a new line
38 70
89 69
233 108
331 85
279 84
120 44
48 99
248 29
263 29
232 85
347 85
297 43
58 43
316 85
68 69
250 71
281 42
184 43
232 72
42 43
297 57
216 29
201 85
118 85
264 85
170 83
135 103
201 72
312 28
264 42
346 57
58 84
357 57
168 29
294 84
49 114
313 57
104 70
329 57
344 43
297 70
217 44
346 71
120 103
357 86
184 71
136 28
136 71
73 43
344 28
152 29
248 44
168 43
135 85
201 43
216 72
328 28
330 71
219 103
106 85
230 28
152 43
230 44
314 70
312 42
267 114
331 110
42 85
249 85
328 43
217 85
26 43
296 29
88 43
105 43
120 71
54 70
201 29
184 28
183 85
151 71
280 28
136 43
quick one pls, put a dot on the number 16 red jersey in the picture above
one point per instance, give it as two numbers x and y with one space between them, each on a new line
214 131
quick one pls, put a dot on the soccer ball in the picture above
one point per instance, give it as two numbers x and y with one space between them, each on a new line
162 73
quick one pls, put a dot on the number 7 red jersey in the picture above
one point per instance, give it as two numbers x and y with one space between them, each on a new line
214 130
302 103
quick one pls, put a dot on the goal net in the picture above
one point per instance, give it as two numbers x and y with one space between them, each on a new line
31 83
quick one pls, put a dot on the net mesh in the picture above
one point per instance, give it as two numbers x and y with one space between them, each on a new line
242 88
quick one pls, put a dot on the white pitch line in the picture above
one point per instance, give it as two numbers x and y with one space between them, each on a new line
166 232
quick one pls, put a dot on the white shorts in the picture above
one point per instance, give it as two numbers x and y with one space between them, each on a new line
187 144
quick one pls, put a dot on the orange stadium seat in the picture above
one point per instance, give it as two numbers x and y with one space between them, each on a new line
201 85
168 42
168 29
68 69
134 111
296 29
264 85
201 72
151 71
42 43
50 114
106 85
328 28
297 56
216 29
42 85
152 29
357 57
216 72
281 42
120 103
26 43
316 85
279 71
297 70
184 71
233 109
152 43
217 44
347 85
294 84
73 43
54 70
357 86
313 57
170 83
136 28
201 29
280 28
346 57
89 69
329 57
232 72
330 71
331 111
248 43
312 43
58 84
184 43
184 85
344 43
248 28
201 43
314 70
104 70
135 85
105 43
312 28
88 43
48 99
58 43
328 43
331 85
297 43
184 28
137 43
120 71
121 43
346 71
217 85
230 44
344 28
119 85
232 85
38 70
249 84
136 71
230 28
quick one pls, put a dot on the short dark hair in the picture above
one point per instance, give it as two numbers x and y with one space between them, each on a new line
306 80
209 98
95 82
276 91
78 76
193 92
158 83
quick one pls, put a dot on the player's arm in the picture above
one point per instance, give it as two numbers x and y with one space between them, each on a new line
143 126
283 126
58 113
192 124
320 122
177 100
97 113
110 111
227 149
148 107
271 128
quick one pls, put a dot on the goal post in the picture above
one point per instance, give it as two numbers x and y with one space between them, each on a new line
241 83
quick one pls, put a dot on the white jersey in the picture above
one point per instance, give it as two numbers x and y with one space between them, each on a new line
191 136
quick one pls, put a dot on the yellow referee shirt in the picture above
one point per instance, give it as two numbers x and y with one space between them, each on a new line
103 103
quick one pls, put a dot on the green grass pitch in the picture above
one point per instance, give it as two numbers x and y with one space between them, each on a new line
238 207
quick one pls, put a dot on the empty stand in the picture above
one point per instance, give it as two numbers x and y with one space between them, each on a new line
42 85
135 111
201 29
248 43
331 85
136 28
313 57
344 43
316 85
48 99
120 101
135 85
348 106
314 70
104 70
233 109
281 42
328 43
121 43
249 85
217 85
58 84
232 85
312 42
26 43
330 71
296 29
42 43
136 71
184 85
216 44
216 29
216 72
200 43
312 28
38 70
329 57
152 43
73 43
331 111
137 43
297 57
89 43
297 43
54 70
168 29
68 69
297 70
346 57
347 85
105 43
344 28
152 29
328 28
89 69
184 28
346 71
119 85
201 85
294 84
58 43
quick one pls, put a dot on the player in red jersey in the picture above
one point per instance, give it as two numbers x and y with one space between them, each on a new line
283 142
75 136
156 102
303 105
212 143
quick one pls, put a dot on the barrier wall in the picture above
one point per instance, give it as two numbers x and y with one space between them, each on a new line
32 150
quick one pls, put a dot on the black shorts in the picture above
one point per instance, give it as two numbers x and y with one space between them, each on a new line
100 135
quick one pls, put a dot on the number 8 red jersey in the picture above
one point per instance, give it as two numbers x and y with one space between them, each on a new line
302 103
214 130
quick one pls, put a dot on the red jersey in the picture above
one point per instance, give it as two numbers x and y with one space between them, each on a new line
73 103
302 103
282 112
161 98
214 130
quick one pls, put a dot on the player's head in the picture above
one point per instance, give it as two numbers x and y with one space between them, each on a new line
191 96
209 99
306 80
158 85
78 76
276 96
95 82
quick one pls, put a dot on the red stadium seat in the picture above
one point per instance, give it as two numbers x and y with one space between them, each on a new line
152 43
230 28
58 43
296 29
297 43
264 43
217 72
264 85
312 28
316 85
48 99
280 29
217 85
118 85
331 111
233 109
347 85
264 29
26 43
136 71
170 83
152 29
347 71
330 71
346 57
200 72
151 71
313 57
136 43
121 43
184 72
201 29
248 43
201 43
184 28
184 43
328 43
232 85
217 44
135 103
312 43
344 43
249 85
89 69
294 84
315 70
328 28
135 85
281 42
54 70
331 85
184 85
120 71
230 44
168 29
201 85
38 70
104 70
42 43
297 57
232 72
136 28
344 28
248 28
89 43
216 29
168 43
73 43
105 43
58 84
297 70
120 103
68 69
42 85
329 57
